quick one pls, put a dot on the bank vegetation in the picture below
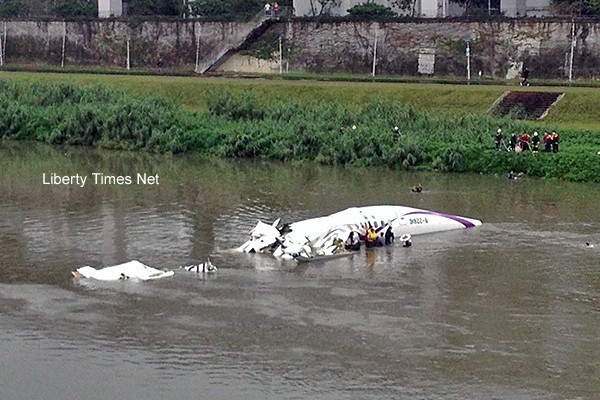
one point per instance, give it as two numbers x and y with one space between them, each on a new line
289 126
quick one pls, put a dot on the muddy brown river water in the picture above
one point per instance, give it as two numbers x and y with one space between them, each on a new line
508 310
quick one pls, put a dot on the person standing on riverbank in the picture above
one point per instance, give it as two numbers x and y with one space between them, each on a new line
513 141
525 76
535 142
498 139
547 142
554 141
524 141
395 134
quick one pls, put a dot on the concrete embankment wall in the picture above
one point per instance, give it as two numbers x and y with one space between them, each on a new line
428 47
104 42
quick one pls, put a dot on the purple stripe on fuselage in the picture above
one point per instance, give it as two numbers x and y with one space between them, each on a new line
465 222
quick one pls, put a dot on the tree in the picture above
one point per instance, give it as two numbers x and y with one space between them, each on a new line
10 9
576 7
406 5
155 7
225 8
480 7
323 7
371 9
76 8
591 7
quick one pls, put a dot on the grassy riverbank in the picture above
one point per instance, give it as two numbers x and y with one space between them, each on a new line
445 127
579 109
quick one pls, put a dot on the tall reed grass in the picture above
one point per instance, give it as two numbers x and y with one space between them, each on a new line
240 124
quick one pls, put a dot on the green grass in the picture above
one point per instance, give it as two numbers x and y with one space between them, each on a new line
578 110
444 127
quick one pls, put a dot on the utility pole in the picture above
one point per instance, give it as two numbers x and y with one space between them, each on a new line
197 69
374 53
64 44
468 54
128 38
280 55
4 43
572 51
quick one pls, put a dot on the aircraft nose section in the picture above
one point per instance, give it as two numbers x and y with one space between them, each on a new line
473 221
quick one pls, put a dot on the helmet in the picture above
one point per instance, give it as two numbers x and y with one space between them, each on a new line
535 133
499 130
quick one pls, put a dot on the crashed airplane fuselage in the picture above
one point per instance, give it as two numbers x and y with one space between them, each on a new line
317 236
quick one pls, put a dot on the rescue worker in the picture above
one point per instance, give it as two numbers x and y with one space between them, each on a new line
389 236
339 245
546 138
498 139
554 141
524 141
353 242
406 241
513 141
417 188
535 142
372 238
525 77
395 134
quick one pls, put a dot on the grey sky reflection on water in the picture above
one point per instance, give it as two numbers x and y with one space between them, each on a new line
507 310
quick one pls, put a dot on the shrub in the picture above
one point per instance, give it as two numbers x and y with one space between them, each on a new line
238 125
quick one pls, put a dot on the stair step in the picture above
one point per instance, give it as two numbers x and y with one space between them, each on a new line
525 105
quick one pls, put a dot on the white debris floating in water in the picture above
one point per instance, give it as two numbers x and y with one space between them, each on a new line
129 270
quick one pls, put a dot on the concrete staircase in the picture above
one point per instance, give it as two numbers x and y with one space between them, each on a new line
525 105
253 29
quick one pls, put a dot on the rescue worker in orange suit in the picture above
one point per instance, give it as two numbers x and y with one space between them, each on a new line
524 141
547 142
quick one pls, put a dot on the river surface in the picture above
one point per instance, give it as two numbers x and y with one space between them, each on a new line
508 310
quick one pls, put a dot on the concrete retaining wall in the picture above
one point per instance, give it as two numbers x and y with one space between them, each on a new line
498 48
